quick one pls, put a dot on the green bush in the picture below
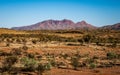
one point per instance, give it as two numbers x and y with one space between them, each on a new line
111 55
29 64
92 65
48 66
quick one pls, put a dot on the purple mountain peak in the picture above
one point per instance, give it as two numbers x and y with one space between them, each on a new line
57 25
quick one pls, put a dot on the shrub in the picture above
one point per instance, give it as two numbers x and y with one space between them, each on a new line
30 55
5 68
81 41
87 38
98 43
34 41
25 47
40 69
92 65
48 66
16 51
90 60
118 56
24 41
39 57
7 40
95 57
111 55
29 64
53 63
114 44
75 62
18 40
8 62
2 53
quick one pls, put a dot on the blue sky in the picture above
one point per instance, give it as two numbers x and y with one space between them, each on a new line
15 13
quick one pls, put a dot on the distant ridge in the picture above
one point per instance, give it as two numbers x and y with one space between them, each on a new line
112 27
64 24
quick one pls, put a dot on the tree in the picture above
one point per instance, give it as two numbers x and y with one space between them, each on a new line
87 38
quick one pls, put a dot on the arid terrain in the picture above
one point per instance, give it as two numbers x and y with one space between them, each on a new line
60 52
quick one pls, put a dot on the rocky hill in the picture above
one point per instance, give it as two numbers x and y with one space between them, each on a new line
57 25
112 27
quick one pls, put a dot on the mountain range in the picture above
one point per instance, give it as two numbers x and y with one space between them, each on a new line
112 27
64 25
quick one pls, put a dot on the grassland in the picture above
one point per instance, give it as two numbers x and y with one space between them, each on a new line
60 52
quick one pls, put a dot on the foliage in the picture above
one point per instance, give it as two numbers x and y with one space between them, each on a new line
40 69
29 63
92 65
43 67
75 62
8 62
111 55
90 60
53 63
11 60
48 66
87 38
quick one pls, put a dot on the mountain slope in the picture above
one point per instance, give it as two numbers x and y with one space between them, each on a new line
56 25
84 25
112 27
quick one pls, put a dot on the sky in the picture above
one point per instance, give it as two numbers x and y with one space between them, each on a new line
15 13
